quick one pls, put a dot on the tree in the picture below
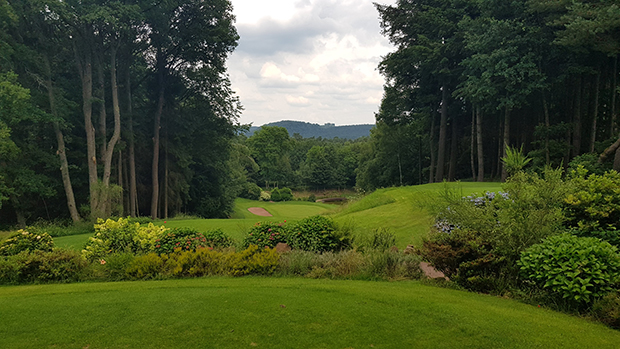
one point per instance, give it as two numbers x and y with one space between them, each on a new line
270 147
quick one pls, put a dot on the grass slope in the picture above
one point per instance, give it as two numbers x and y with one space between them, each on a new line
400 209
280 313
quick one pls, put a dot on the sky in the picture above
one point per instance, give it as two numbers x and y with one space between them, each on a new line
308 60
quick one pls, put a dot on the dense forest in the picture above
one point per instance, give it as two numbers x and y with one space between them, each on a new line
115 108
469 78
125 108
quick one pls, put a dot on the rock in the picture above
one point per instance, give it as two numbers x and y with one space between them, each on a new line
282 247
409 250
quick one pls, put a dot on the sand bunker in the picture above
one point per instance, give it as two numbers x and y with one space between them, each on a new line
259 211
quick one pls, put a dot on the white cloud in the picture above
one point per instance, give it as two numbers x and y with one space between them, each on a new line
319 54
297 101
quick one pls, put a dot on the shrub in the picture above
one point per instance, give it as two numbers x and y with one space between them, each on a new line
318 234
611 235
311 198
284 194
186 239
56 229
146 238
607 309
250 191
205 262
112 237
382 239
572 268
37 266
218 239
594 203
24 241
265 196
266 235
114 267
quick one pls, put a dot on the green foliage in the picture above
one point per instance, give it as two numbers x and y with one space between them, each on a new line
318 234
112 237
42 266
588 162
250 191
218 239
370 265
515 160
266 234
24 241
57 229
186 239
146 238
284 194
204 262
381 239
607 309
594 202
578 270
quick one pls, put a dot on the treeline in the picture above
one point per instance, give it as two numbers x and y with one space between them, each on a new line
469 78
116 108
309 130
271 158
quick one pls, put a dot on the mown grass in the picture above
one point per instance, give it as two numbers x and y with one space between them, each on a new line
236 227
280 313
401 209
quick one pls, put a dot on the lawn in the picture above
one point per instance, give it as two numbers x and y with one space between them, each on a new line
280 313
236 227
401 209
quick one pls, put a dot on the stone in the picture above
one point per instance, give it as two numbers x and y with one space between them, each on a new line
410 250
282 247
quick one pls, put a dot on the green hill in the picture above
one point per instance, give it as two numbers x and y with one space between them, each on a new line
400 209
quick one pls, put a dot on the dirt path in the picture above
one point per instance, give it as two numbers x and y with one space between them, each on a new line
259 211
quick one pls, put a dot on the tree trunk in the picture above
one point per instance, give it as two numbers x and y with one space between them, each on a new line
86 76
156 127
443 125
597 83
103 133
577 120
471 145
21 218
505 142
166 173
614 86
547 126
479 139
453 151
133 191
431 172
64 164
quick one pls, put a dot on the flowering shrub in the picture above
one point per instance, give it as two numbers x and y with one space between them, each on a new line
180 238
318 234
568 267
112 237
25 241
146 238
266 235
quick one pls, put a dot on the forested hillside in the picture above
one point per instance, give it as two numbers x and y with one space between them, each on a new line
468 78
329 131
118 107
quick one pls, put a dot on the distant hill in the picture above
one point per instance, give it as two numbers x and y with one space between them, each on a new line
329 131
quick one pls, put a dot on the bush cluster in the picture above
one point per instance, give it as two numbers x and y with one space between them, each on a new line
576 269
266 234
40 266
318 234
284 194
250 191
203 262
25 241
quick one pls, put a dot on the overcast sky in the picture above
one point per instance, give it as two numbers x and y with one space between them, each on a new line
308 60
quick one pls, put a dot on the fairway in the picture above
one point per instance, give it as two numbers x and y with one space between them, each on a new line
280 313
400 209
